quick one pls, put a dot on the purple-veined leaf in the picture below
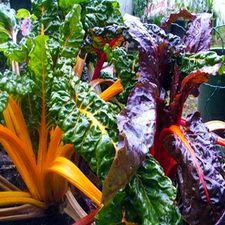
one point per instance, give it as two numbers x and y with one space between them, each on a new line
200 171
136 124
198 35
137 120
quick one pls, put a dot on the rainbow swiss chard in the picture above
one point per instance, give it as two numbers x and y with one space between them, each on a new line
159 70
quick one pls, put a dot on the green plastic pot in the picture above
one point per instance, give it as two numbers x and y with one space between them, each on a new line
211 101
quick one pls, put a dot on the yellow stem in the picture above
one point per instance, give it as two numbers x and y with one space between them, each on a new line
73 174
111 91
18 197
24 165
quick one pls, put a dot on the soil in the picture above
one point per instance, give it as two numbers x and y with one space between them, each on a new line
57 219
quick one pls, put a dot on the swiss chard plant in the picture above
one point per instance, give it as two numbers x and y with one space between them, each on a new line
80 106
42 48
170 69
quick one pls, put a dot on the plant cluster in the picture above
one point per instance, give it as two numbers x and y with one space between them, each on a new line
94 100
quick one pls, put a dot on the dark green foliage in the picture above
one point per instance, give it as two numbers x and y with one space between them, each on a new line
147 200
87 121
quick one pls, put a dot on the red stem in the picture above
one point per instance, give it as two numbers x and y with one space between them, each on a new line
102 56
114 41
89 219
99 65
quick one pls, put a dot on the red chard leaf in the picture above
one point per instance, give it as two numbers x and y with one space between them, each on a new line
154 60
200 171
183 13
188 84
198 35
136 124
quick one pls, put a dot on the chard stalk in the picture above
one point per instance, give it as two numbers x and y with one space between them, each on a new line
15 65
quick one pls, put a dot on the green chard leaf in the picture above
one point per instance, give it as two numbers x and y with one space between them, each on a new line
193 62
14 84
147 200
100 13
87 121
7 21
39 58
126 68
3 100
71 33
40 69
14 52
47 13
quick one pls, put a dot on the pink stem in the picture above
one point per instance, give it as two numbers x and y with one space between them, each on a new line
183 122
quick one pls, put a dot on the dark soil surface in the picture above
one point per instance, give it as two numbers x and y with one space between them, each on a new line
50 220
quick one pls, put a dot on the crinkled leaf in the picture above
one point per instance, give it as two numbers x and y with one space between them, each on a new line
38 57
147 199
191 62
198 35
136 125
126 68
137 121
153 52
175 43
3 100
47 13
15 85
87 121
181 88
72 33
100 13
14 52
7 20
200 172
